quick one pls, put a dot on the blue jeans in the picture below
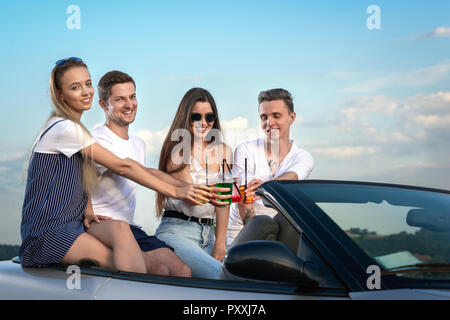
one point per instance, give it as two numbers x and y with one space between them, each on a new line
193 243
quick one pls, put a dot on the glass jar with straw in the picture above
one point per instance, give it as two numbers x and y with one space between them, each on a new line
226 181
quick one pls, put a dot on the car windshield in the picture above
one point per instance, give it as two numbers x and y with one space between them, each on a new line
396 226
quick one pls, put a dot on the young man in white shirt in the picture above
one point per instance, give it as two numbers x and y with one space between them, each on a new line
115 196
273 157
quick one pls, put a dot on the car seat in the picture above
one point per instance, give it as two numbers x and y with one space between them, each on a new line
263 227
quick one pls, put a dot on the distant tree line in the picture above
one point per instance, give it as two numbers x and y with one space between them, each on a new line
8 251
436 245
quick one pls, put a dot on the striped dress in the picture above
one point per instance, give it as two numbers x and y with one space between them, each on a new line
53 208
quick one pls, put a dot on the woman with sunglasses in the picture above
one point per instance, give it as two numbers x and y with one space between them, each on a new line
188 229
57 210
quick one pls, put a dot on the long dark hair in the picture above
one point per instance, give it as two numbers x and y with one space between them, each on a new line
182 121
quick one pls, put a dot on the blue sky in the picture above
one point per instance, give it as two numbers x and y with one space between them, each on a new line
371 104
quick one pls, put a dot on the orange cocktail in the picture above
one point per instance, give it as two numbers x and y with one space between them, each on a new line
247 199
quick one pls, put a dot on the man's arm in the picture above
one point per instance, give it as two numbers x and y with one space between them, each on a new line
290 175
246 211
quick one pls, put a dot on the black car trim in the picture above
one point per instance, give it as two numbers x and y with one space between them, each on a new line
365 183
242 286
304 223
354 274
263 193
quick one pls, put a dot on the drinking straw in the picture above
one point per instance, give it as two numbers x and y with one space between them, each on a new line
234 182
206 170
245 173
223 171
245 196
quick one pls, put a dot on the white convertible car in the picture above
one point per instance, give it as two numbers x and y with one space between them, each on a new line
329 240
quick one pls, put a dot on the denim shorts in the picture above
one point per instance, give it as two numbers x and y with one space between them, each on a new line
146 242
193 243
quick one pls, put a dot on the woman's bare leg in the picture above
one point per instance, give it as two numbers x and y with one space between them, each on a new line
117 235
87 246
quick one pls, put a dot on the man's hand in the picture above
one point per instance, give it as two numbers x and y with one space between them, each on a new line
91 217
252 187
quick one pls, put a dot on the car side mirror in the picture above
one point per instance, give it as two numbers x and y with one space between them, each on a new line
266 261
429 219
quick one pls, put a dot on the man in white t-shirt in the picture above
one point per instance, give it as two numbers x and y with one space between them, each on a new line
273 157
115 196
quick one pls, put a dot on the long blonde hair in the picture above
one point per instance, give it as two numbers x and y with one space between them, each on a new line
63 110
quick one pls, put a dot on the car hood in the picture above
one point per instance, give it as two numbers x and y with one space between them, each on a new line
402 294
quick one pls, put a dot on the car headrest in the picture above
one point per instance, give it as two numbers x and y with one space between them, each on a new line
258 228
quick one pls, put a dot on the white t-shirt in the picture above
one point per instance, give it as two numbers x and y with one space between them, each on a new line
297 160
115 196
66 137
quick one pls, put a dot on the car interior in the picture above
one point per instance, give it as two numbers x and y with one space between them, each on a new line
273 229
279 230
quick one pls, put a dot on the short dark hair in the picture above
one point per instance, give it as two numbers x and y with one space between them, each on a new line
277 94
108 80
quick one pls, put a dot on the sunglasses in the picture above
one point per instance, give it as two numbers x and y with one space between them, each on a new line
209 117
62 62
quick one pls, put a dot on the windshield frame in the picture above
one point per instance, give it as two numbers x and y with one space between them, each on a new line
332 242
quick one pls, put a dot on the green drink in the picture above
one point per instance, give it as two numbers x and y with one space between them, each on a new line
225 184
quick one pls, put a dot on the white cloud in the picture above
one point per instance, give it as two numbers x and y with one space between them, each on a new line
385 120
434 103
11 157
360 108
436 33
427 117
416 78
236 131
345 152
153 140
418 165
236 123
433 121
391 137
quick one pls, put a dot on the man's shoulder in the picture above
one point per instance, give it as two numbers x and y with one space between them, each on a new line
100 131
300 152
137 140
298 155
251 144
103 136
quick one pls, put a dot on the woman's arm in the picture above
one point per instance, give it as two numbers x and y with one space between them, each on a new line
222 214
133 170
167 177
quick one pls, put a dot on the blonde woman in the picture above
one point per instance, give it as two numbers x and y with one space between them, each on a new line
56 210
189 229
